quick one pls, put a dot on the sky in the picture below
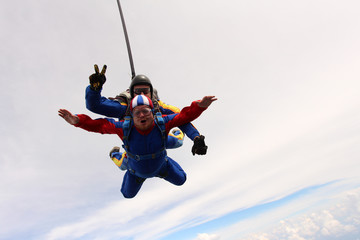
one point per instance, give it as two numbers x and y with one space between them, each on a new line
283 137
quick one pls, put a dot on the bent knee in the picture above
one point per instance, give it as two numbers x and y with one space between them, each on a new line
180 181
127 194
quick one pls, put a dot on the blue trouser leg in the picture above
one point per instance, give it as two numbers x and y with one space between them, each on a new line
173 142
173 173
119 159
175 139
131 185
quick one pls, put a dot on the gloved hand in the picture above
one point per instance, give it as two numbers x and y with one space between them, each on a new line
97 79
199 146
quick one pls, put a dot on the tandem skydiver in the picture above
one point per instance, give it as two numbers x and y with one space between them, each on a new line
144 134
118 107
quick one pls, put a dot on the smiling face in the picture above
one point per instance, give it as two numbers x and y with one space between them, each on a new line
143 117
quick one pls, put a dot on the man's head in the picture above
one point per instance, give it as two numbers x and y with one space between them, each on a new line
141 109
141 84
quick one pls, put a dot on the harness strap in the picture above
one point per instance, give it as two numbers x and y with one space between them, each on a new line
160 153
127 125
160 123
126 131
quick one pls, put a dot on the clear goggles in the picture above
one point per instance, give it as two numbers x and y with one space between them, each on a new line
144 111
138 91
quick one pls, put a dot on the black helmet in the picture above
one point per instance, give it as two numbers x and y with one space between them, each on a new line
140 80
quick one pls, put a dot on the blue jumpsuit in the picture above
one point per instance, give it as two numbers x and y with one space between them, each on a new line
109 108
146 143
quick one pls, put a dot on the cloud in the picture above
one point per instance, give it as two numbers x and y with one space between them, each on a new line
205 236
339 221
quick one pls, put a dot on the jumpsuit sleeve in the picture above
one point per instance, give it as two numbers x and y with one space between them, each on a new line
186 115
103 106
101 125
188 128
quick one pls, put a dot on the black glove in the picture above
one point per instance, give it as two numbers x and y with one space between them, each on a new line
97 79
199 146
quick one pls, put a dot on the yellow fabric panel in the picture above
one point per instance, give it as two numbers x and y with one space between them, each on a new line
166 106
118 162
180 136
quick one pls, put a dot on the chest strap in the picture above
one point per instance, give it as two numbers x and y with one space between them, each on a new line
160 123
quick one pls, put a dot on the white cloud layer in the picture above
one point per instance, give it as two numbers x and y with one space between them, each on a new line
205 236
339 219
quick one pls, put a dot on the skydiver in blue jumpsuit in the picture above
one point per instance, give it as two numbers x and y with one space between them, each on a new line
144 139
118 108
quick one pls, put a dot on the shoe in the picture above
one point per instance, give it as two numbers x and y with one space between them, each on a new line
113 150
177 133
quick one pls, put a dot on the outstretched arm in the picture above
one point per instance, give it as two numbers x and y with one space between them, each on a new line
190 113
206 101
101 125
187 128
68 116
